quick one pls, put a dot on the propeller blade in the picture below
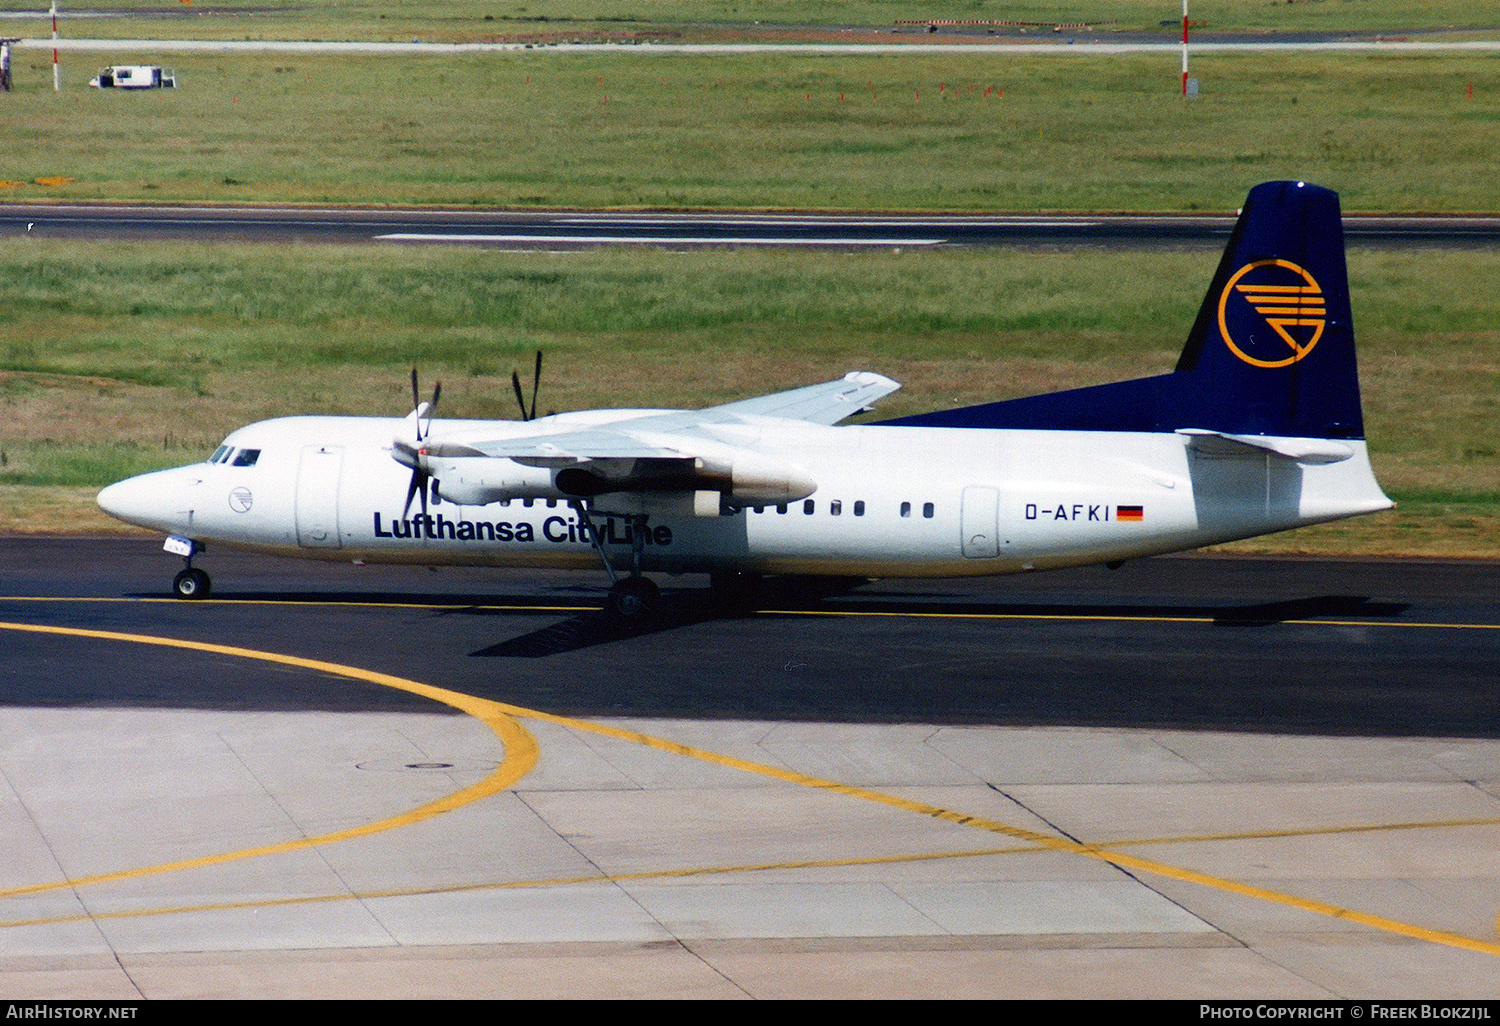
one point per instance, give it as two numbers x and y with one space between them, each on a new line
416 402
411 456
536 381
411 492
515 382
437 391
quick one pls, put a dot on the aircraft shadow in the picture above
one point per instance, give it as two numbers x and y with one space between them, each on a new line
677 609
1229 615
687 609
589 629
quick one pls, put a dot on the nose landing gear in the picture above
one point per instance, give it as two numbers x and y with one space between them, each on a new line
191 583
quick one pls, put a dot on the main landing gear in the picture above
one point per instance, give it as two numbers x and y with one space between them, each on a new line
630 598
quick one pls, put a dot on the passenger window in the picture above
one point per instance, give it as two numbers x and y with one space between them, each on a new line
808 506
859 508
246 457
835 507
526 503
906 509
781 508
927 510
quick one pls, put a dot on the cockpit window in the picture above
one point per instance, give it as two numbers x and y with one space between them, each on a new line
219 454
246 457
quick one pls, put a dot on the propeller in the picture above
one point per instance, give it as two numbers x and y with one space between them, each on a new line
411 455
536 381
421 407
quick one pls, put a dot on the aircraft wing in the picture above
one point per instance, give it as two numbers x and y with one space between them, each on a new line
680 450
676 435
827 403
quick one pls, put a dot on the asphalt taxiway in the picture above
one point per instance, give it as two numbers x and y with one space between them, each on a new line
537 229
1191 777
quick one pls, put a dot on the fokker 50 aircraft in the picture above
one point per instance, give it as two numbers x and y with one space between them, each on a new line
1258 429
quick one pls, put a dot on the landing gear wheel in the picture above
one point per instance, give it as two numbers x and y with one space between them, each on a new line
191 583
632 598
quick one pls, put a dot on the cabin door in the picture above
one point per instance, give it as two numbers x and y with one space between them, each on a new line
981 522
318 497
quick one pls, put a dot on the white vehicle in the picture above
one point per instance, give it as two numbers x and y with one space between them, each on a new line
134 76
1258 429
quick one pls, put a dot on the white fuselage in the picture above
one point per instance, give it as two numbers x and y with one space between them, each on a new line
889 501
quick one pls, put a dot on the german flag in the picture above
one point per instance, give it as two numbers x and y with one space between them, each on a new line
1134 514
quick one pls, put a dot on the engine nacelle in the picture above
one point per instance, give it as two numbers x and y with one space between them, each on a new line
480 480
757 481
746 479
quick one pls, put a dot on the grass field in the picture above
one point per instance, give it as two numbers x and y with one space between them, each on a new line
121 359
935 132
478 20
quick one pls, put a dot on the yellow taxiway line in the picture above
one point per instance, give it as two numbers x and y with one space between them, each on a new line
521 752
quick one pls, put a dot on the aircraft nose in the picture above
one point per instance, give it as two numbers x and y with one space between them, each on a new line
148 500
125 500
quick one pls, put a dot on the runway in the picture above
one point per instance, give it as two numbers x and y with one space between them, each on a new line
573 229
1192 777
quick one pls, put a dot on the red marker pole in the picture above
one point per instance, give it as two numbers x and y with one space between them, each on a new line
1184 48
56 74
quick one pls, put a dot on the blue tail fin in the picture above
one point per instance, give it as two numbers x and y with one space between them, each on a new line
1271 352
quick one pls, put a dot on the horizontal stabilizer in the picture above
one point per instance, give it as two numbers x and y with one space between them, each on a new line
1301 450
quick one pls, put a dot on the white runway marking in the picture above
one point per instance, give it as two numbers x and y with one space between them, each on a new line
650 240
824 222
